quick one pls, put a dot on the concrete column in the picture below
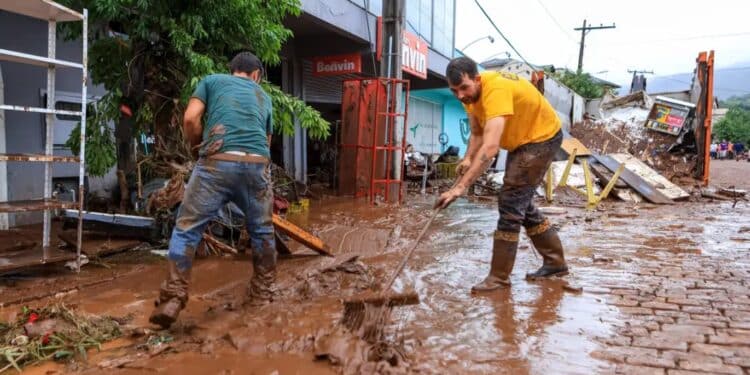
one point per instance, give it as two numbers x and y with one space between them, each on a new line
3 166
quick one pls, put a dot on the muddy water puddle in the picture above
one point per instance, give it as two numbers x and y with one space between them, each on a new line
530 328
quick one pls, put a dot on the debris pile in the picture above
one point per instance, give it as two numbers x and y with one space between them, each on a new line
619 128
53 332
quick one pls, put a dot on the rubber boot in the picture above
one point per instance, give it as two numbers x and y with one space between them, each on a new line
261 288
173 297
548 244
503 258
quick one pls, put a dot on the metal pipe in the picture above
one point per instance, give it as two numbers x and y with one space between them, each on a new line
50 121
82 161
47 111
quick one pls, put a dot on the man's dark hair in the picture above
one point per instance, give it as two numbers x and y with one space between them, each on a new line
245 62
458 67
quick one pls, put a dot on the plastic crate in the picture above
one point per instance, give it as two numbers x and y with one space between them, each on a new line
445 170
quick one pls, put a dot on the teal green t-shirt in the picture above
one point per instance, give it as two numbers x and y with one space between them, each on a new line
239 115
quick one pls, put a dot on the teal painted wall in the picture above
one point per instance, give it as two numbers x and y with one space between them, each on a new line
453 113
453 116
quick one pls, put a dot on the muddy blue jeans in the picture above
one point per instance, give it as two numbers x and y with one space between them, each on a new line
524 171
212 185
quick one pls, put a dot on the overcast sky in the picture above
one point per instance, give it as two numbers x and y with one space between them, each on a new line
660 35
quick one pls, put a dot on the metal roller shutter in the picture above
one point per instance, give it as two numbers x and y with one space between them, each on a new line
326 89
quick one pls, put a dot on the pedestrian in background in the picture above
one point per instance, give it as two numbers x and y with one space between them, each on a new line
714 148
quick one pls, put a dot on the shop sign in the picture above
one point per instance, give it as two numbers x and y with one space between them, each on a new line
414 55
669 115
336 65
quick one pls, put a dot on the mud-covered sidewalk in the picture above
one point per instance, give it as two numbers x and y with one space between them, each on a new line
664 288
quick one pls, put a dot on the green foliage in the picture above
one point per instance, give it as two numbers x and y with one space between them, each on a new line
742 101
287 107
100 144
735 126
150 54
583 84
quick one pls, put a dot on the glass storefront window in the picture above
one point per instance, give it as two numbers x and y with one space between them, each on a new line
442 27
432 20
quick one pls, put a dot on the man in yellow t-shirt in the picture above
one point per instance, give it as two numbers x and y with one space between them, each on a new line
508 112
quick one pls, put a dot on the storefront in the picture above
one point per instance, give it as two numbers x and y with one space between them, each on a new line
330 47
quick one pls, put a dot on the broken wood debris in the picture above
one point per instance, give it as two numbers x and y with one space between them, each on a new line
216 246
634 181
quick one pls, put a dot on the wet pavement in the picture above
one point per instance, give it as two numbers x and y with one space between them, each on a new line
664 289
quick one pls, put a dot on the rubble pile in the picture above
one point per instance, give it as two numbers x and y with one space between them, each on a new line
619 128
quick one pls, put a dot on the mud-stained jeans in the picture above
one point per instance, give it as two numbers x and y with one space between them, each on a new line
212 185
524 171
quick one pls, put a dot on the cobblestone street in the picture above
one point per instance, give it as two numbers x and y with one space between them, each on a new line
680 284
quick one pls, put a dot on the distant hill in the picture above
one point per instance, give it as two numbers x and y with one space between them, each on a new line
730 81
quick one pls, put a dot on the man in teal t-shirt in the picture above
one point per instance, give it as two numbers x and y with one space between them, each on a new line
233 150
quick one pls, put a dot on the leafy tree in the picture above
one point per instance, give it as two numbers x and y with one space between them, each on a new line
735 126
150 54
583 84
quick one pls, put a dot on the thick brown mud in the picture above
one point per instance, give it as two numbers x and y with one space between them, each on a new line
532 327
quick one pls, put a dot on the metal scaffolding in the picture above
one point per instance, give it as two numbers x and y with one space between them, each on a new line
52 13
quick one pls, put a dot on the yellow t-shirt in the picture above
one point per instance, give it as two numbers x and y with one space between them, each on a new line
529 116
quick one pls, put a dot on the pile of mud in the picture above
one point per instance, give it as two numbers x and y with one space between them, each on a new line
350 275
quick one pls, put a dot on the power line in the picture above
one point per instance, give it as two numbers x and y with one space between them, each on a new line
551 16
678 39
502 35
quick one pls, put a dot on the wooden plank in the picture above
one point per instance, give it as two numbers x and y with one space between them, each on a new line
570 144
605 175
634 181
651 176
41 9
97 244
301 236
39 158
34 205
15 260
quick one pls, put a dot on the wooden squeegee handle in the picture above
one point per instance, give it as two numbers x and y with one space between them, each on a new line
402 264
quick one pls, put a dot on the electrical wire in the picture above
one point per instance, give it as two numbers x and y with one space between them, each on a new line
678 39
559 26
503 35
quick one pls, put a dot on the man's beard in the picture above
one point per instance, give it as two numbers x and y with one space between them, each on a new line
471 100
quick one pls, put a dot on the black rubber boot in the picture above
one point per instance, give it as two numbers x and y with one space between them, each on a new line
173 297
548 244
503 258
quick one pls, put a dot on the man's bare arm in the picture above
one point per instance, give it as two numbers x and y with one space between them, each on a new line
192 122
475 139
493 130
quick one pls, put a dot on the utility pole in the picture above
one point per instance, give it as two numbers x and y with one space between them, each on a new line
393 24
584 30
638 83
390 67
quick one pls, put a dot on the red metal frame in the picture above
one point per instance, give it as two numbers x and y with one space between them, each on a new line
374 121
709 80
391 85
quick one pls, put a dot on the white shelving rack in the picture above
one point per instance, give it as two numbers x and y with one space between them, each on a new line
53 13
